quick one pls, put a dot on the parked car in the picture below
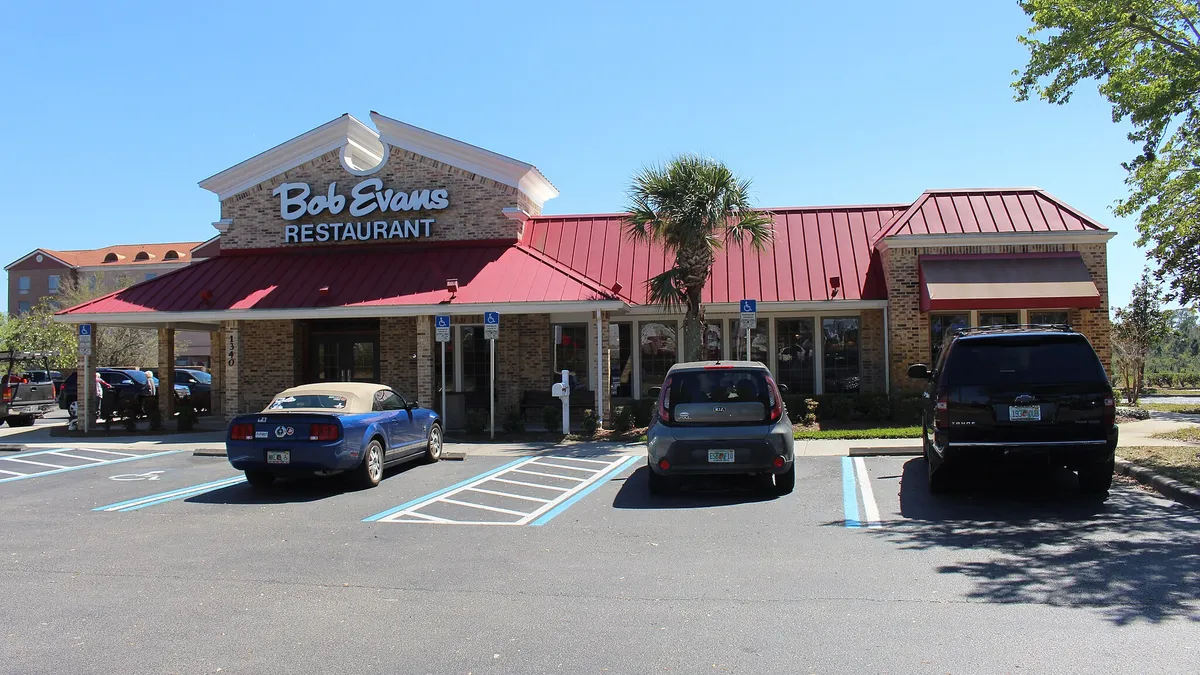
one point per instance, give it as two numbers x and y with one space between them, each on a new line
336 427
199 385
24 395
124 390
1014 393
717 417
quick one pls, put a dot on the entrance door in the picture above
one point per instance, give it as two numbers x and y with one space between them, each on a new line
344 357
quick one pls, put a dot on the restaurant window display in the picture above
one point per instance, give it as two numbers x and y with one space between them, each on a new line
840 359
942 325
713 340
620 359
659 351
760 343
796 354
571 354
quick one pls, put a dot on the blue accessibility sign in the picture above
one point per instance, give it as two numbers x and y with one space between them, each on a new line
85 329
749 306
442 321
491 318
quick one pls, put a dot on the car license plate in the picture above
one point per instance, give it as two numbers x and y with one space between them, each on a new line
279 456
1025 413
720 456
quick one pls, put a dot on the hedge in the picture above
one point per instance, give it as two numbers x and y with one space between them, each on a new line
900 408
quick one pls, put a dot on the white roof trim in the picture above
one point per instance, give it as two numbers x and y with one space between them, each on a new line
732 308
506 170
288 155
994 239
33 253
364 312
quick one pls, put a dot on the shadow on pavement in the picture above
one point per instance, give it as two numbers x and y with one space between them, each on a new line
1130 557
293 490
693 493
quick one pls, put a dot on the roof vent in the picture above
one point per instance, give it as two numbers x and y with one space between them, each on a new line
110 258
171 255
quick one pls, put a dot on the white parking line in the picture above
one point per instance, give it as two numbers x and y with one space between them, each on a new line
13 473
463 494
110 452
53 469
868 493
64 454
30 461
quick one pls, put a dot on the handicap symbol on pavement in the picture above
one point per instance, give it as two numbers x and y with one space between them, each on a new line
149 475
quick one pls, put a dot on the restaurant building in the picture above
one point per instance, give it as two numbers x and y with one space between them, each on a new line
338 248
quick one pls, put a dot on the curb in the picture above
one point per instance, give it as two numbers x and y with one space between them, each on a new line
12 447
1168 487
201 452
886 451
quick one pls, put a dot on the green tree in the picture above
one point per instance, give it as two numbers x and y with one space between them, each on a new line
1145 54
692 206
1139 327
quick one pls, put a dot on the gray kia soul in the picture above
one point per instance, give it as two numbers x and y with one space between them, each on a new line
721 417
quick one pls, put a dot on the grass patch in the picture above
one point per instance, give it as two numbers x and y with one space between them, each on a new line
1185 408
811 433
1187 434
1171 392
1182 464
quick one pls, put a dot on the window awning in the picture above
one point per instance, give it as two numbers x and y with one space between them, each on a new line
990 282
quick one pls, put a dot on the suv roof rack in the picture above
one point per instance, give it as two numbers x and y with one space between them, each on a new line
1061 327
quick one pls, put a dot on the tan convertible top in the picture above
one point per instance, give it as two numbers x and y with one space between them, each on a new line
359 396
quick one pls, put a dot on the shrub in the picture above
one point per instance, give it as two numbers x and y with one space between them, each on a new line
906 408
513 422
476 421
552 418
643 409
623 419
590 422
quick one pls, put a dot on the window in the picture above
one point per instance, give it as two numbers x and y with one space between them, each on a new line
1024 360
22 307
571 353
998 319
942 325
23 285
1055 316
620 359
171 255
840 362
796 352
309 402
53 283
713 334
141 256
387 400
476 366
760 343
110 258
659 351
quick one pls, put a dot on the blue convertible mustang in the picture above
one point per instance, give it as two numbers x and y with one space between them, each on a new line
332 428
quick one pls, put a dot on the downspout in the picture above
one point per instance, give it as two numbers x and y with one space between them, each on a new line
599 371
887 355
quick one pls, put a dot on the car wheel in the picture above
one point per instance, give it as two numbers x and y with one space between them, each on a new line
785 482
1096 479
73 410
659 484
370 472
433 451
259 479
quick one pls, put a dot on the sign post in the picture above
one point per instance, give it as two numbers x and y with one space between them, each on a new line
442 326
749 320
85 350
491 333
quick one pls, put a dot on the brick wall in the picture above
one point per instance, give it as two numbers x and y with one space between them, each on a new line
267 362
870 340
397 349
910 327
475 210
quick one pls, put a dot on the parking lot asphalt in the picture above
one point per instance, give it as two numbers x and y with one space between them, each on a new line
170 563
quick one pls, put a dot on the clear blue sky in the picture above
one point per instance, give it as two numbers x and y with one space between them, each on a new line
112 114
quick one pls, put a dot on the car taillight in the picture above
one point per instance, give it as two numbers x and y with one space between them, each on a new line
774 398
242 432
322 432
941 417
8 393
1110 411
664 402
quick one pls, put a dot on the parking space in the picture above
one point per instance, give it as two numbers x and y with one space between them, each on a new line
42 463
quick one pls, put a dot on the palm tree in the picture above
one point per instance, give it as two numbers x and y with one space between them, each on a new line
693 206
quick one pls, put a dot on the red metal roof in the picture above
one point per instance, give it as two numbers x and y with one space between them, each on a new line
811 245
987 211
487 272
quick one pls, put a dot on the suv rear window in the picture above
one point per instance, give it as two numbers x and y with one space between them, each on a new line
1024 359
697 391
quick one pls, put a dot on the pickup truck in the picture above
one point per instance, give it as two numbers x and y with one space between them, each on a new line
21 400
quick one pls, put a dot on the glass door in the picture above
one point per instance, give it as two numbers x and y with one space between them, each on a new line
344 357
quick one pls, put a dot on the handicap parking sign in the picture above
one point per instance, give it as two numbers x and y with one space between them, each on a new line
85 329
749 306
442 328
749 314
443 321
491 325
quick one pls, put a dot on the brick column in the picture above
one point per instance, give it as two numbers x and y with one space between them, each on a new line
425 383
85 382
216 359
231 367
605 376
166 373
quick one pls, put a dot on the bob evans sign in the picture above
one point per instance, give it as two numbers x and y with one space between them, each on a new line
366 198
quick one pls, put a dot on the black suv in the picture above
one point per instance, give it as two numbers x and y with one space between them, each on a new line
1019 392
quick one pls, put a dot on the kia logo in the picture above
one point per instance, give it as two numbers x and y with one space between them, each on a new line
719 408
